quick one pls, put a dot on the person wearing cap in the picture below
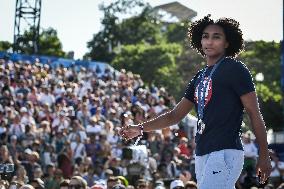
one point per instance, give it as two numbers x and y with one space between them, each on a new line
159 184
77 182
26 118
177 184
32 162
93 127
250 152
60 122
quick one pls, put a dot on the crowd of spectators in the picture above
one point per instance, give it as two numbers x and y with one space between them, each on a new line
58 129
59 123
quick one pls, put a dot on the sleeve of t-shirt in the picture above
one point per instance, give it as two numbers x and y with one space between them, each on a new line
241 79
190 90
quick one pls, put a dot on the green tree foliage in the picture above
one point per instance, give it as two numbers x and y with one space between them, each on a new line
136 44
5 45
139 27
155 63
189 61
49 43
264 57
177 32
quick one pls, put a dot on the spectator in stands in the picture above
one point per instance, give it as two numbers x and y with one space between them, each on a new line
21 176
38 173
190 185
49 179
16 127
60 122
5 158
183 146
112 181
277 169
77 182
142 184
46 97
78 148
177 184
64 184
250 152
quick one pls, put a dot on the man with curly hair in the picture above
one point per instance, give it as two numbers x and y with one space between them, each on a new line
219 92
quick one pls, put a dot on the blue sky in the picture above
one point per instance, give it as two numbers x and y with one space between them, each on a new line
77 21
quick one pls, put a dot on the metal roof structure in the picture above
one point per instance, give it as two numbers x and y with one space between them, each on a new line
178 10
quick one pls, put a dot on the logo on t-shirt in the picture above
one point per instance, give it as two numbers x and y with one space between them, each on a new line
208 90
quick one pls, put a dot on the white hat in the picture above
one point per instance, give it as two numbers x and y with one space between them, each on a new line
28 151
24 109
14 137
69 90
176 183
159 187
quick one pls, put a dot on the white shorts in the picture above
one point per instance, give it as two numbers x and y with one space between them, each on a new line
219 170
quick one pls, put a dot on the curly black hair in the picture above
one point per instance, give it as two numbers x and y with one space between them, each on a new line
231 29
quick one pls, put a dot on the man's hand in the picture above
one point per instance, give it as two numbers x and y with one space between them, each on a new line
263 168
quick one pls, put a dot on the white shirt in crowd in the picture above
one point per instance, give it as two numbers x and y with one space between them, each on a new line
72 136
250 150
47 99
17 129
78 150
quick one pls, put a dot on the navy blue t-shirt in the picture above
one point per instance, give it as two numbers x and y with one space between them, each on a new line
223 113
